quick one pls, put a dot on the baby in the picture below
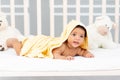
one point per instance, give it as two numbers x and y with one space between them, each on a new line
73 42
71 47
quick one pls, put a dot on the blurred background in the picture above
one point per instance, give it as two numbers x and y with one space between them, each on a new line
99 7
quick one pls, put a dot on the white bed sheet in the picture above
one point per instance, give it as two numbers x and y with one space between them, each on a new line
105 59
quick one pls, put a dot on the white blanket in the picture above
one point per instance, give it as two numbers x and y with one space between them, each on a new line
105 59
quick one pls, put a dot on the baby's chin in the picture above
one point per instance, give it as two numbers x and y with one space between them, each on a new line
75 45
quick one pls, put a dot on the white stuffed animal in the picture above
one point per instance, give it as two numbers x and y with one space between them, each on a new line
7 32
99 33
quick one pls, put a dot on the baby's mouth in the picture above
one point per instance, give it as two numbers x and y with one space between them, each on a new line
75 42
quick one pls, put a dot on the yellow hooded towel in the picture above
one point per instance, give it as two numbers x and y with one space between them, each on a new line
41 46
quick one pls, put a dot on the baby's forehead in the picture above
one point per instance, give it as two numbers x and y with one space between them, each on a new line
78 30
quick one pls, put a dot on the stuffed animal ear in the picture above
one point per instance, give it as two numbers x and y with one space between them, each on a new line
103 18
99 18
3 21
104 21
99 21
2 15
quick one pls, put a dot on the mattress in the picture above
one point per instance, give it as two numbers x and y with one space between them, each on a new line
105 60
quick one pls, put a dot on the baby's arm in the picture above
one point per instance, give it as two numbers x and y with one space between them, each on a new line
89 55
86 53
57 53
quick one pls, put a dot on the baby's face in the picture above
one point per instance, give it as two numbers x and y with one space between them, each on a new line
76 37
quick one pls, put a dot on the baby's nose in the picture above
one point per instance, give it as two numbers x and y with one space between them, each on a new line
77 37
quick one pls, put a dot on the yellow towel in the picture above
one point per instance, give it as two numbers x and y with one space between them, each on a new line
42 46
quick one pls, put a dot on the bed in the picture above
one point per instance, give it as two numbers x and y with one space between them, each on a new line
105 63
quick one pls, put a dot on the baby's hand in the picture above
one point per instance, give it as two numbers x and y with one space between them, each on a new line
69 58
89 55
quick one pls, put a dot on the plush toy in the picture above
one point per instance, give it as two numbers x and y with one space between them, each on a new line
7 32
99 33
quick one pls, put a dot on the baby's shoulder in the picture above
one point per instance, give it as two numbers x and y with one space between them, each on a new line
63 46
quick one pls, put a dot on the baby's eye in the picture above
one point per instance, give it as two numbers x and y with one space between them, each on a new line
82 36
73 34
